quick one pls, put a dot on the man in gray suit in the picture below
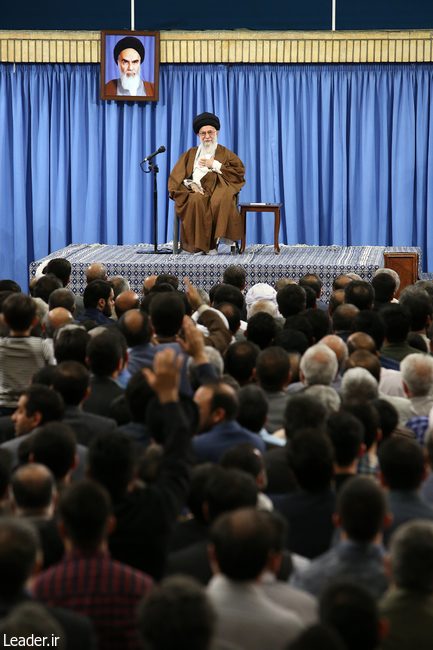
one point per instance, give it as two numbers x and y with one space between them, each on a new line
242 544
417 374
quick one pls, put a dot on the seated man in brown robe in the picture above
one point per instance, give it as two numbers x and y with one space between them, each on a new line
204 184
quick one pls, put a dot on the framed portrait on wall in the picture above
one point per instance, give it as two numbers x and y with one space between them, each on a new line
129 65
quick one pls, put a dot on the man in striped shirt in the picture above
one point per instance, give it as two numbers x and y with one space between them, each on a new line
21 354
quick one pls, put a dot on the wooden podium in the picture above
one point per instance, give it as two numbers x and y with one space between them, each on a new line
406 265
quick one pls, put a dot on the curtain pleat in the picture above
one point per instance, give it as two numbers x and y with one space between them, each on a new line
347 149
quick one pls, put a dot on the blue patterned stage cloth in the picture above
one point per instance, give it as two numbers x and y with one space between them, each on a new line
259 261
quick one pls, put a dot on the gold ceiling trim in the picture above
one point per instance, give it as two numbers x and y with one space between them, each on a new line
240 46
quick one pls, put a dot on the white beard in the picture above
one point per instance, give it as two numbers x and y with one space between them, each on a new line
210 147
131 82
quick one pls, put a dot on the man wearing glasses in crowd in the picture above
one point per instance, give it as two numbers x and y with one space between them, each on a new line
204 184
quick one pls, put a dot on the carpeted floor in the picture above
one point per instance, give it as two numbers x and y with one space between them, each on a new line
259 261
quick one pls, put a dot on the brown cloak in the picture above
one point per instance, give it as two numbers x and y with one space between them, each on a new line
206 217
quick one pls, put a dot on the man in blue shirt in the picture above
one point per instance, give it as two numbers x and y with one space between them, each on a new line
218 406
98 302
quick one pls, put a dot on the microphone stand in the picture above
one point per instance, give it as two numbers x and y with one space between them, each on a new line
154 167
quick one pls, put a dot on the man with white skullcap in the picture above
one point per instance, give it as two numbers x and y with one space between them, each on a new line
260 292
204 184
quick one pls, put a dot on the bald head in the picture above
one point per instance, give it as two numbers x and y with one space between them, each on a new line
283 282
341 282
337 345
336 299
96 272
148 284
365 359
60 316
33 489
361 341
343 316
135 327
134 320
126 301
55 318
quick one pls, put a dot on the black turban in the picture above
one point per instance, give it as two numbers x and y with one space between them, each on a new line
205 119
129 42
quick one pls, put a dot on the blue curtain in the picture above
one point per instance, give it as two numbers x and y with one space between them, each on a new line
346 149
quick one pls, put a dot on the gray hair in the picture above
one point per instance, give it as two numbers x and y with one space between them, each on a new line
354 276
204 296
417 373
48 326
214 357
326 396
427 285
319 365
358 383
410 291
120 284
63 328
411 552
96 271
283 282
391 272
41 309
96 331
264 306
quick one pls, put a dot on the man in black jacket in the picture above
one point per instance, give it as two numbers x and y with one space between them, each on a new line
145 515
71 380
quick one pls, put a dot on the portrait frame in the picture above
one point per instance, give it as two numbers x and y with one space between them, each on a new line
149 67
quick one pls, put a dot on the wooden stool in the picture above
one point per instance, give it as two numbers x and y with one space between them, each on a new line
260 207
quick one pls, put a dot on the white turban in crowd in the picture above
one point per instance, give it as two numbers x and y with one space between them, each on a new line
260 291
40 270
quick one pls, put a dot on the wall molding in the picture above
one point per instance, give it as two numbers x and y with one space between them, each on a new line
240 46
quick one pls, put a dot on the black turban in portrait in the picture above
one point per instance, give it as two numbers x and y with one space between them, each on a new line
129 42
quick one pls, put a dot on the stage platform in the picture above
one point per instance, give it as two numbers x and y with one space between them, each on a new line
259 261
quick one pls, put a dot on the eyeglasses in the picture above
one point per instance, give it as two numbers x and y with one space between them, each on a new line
203 134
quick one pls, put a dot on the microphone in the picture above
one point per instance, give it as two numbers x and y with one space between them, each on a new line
155 153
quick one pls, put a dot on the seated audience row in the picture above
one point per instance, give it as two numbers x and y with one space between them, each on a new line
236 469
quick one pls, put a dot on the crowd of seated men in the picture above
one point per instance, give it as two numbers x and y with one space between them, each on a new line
244 469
